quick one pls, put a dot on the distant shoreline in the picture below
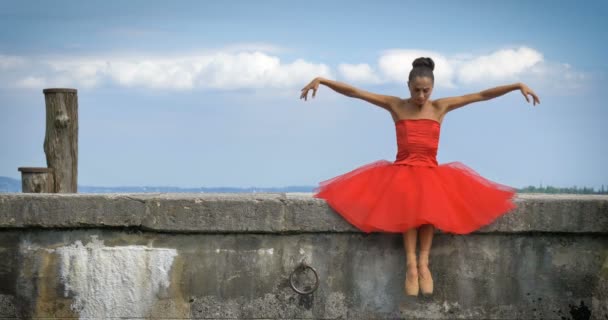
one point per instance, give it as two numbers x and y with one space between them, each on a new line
10 185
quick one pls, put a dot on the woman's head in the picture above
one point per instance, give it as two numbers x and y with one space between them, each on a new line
421 80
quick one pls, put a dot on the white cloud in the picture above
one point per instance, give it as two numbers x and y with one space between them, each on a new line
169 73
219 70
78 72
231 69
361 73
254 70
466 70
501 65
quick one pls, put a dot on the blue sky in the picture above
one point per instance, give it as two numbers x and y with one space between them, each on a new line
206 93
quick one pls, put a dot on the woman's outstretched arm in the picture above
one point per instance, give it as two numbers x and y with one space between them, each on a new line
449 104
383 101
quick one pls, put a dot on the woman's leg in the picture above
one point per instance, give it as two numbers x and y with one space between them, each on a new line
411 274
426 239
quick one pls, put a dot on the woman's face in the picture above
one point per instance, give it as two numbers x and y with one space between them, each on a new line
420 90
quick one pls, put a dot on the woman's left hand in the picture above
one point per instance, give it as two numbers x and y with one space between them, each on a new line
527 91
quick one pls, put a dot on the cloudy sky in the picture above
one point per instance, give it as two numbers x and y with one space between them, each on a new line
206 93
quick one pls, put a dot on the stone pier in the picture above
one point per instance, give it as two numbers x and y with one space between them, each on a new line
234 256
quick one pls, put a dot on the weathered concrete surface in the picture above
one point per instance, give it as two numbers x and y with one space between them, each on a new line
68 256
265 213
246 276
600 295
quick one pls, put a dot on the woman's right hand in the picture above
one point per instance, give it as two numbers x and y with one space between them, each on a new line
314 85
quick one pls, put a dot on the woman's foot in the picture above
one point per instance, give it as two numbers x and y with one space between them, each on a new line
425 280
411 281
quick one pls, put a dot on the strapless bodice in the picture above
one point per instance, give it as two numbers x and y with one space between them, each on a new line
417 142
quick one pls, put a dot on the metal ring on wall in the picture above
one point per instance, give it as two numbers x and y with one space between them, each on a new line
303 267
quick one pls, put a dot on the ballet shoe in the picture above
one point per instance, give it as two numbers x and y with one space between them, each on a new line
411 285
426 284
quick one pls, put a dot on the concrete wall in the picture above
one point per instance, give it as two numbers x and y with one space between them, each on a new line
230 256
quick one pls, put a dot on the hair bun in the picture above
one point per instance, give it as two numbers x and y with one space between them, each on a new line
424 63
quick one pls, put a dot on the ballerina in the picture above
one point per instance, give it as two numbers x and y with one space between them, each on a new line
414 194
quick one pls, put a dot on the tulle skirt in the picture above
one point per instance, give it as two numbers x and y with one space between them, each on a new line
387 197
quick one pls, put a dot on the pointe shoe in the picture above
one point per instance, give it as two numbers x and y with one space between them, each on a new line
411 285
426 284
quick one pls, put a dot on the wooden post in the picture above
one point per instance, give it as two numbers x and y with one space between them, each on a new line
61 139
37 180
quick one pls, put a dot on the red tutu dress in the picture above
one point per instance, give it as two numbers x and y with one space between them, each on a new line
414 190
